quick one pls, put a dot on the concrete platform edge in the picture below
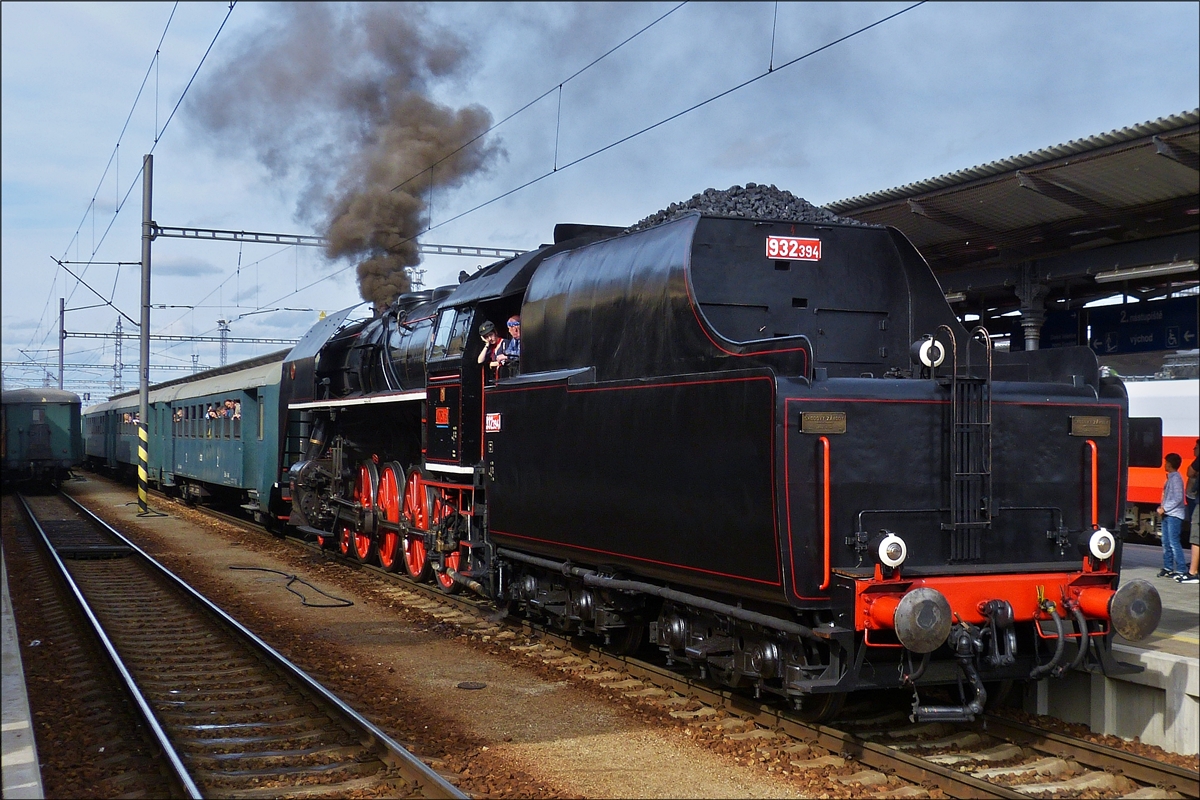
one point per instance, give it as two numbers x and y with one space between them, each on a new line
1159 706
22 777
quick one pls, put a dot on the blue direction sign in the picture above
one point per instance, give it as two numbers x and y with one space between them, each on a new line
1061 329
1140 327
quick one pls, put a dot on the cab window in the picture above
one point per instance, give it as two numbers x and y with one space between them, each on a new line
441 336
458 334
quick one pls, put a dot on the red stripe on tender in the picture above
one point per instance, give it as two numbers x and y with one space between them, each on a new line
636 558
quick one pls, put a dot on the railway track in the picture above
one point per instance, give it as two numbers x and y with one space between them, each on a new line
92 742
229 715
993 757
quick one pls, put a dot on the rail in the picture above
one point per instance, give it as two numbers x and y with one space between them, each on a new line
178 772
888 759
418 775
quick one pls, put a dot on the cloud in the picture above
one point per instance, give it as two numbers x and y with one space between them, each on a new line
20 325
183 266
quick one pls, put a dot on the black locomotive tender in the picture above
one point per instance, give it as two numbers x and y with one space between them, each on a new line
768 448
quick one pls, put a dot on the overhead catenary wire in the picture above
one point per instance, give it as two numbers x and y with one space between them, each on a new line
112 157
121 202
557 168
541 96
155 61
137 178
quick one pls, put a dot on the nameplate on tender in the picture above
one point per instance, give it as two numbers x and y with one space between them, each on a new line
1091 426
823 422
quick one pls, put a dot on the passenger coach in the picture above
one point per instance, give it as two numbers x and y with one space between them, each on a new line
214 434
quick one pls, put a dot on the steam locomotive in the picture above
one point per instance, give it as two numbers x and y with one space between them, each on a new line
767 448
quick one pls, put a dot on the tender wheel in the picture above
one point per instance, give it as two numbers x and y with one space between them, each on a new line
819 707
997 694
391 479
415 513
366 487
628 640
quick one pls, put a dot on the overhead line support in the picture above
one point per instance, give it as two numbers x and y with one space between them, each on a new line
307 240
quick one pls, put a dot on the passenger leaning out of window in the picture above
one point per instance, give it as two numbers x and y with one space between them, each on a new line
509 357
490 354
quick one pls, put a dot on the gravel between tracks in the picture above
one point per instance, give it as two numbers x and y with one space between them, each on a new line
534 731
529 733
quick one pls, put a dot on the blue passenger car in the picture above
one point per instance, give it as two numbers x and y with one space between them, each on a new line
214 435
39 435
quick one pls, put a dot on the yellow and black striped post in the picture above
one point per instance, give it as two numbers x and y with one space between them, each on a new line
143 466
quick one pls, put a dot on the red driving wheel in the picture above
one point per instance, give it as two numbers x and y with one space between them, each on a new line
390 481
439 509
345 541
444 581
365 488
414 511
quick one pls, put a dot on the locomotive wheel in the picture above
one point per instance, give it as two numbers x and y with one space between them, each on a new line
413 509
997 694
415 562
444 581
364 547
366 487
819 707
628 640
390 481
345 544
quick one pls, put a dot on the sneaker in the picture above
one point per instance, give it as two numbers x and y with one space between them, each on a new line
1165 573
1188 578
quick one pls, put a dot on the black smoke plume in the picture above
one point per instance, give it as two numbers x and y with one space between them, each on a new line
339 96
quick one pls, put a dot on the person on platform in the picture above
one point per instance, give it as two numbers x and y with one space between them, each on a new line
1171 510
1193 513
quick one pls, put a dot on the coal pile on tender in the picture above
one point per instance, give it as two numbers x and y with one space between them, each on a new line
753 201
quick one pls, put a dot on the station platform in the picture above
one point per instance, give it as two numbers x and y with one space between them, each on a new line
1160 705
22 778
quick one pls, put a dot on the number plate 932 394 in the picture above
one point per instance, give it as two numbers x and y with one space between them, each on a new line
793 248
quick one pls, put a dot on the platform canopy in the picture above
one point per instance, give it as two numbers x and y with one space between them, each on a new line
1056 228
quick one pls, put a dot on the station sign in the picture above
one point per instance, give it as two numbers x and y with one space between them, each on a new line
1061 329
1143 327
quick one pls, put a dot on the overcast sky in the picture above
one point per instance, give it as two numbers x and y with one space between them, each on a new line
939 88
